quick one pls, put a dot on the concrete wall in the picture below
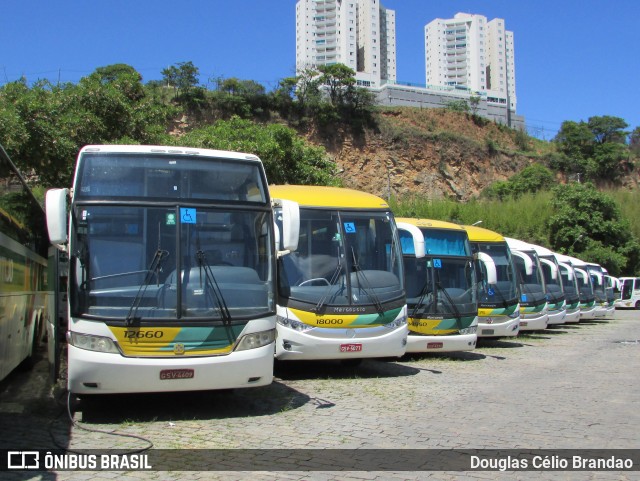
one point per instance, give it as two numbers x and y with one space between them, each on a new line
402 95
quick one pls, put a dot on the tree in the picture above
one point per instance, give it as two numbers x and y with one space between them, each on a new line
287 158
47 124
608 158
575 140
183 77
283 95
474 104
595 148
607 129
634 141
589 223
531 179
337 78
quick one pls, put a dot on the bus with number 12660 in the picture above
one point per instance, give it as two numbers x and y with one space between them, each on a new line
171 269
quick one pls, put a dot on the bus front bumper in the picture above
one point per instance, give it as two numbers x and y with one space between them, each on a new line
556 317
340 344
534 323
453 343
498 327
91 372
573 316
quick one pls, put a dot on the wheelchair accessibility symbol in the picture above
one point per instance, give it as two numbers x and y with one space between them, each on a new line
437 263
349 227
187 215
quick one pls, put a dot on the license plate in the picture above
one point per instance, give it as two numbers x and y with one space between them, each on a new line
350 347
434 345
524 323
168 374
487 331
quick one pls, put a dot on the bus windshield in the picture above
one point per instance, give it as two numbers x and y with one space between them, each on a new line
552 278
585 287
532 288
570 286
344 259
158 262
440 286
443 282
504 291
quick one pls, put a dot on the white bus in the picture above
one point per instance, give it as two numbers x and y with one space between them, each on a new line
171 269
629 288
553 280
27 280
441 286
570 287
341 293
585 287
533 295
602 289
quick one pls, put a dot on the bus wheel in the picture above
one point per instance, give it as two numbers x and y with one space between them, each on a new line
30 361
637 306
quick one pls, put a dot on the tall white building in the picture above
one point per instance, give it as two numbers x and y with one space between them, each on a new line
467 52
360 34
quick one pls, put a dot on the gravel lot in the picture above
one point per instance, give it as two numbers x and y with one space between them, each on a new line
570 387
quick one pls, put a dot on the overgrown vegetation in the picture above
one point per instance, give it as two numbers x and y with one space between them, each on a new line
595 149
43 125
574 219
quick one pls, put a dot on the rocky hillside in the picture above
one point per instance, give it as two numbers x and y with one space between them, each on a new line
433 153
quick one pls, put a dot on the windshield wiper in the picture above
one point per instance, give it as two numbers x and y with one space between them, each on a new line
424 292
210 279
495 287
454 308
368 290
153 268
334 277
526 289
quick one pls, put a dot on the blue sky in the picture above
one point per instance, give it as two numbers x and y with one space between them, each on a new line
574 58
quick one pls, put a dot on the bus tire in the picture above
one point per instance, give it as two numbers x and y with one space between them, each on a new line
30 361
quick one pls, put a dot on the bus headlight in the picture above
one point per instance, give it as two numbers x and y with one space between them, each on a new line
256 340
514 314
293 324
399 322
92 343
468 330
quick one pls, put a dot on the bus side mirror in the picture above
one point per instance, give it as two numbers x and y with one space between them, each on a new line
490 267
569 270
290 212
528 262
56 209
552 267
417 237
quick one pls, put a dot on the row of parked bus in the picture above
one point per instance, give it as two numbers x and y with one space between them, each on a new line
187 271
461 282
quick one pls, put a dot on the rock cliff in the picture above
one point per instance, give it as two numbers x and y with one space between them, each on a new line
432 153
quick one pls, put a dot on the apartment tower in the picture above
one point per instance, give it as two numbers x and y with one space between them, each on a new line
360 34
470 53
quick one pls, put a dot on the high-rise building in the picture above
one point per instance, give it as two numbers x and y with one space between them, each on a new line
357 33
467 52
